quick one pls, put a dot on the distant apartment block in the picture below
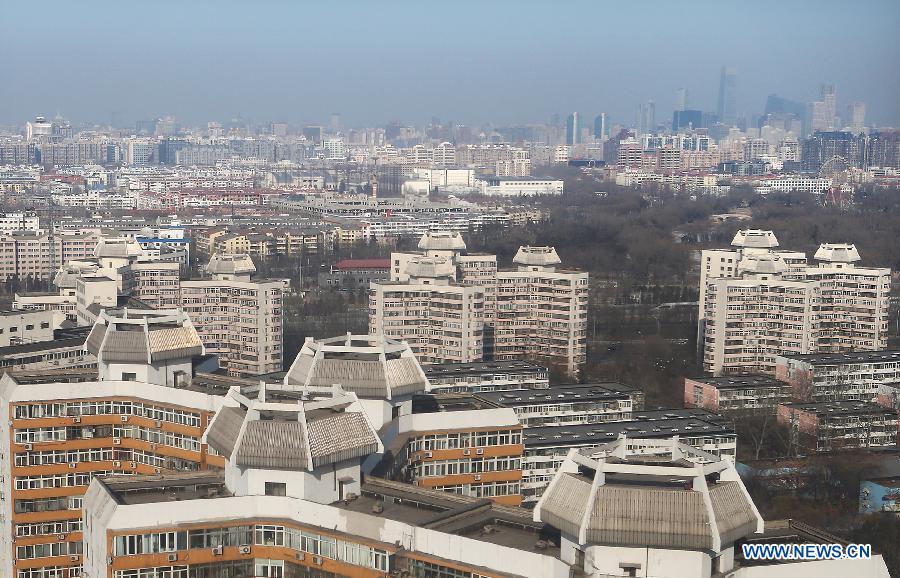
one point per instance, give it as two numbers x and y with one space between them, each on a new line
757 303
533 312
238 318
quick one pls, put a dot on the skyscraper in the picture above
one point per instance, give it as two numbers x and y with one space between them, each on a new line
681 99
728 96
600 126
829 97
646 121
573 129
856 116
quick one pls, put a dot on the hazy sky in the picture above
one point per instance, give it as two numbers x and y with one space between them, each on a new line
466 61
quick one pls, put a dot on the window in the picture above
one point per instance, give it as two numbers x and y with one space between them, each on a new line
276 489
13 329
129 377
29 327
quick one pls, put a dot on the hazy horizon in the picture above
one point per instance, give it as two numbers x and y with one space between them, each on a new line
472 63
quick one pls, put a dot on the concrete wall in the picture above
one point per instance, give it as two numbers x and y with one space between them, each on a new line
608 560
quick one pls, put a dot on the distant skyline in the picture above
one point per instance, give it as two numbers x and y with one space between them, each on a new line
470 62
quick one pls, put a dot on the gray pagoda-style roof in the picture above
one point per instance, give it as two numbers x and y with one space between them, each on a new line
302 436
371 367
649 493
143 336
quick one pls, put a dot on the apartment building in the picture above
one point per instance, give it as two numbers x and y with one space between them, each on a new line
239 319
546 447
10 222
62 434
541 311
570 404
27 254
65 351
485 376
534 312
457 444
20 327
840 425
156 283
758 303
736 393
442 321
852 376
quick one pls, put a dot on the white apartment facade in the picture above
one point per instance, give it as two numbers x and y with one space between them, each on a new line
442 321
757 303
238 318
535 312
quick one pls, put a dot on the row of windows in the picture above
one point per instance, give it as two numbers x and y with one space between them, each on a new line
47 550
466 466
50 572
107 407
484 490
261 535
451 441
48 528
48 504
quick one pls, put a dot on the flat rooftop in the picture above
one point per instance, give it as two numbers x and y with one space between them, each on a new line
431 403
442 370
740 381
849 357
128 490
559 394
42 346
845 407
644 426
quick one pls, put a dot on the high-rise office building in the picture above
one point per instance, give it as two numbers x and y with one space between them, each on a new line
728 96
573 129
600 126
856 117
685 119
646 118
681 99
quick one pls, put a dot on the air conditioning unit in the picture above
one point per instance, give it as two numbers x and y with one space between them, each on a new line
479 451
73 465
427 454
301 555
133 464
467 452
117 464
117 441
124 418
244 549
217 551
158 470
60 537
74 557
29 447
158 423
317 559
76 420
477 477
172 557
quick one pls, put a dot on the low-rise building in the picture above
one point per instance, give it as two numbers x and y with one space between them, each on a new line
18 327
457 444
839 425
854 375
570 404
518 186
356 273
736 393
546 447
482 376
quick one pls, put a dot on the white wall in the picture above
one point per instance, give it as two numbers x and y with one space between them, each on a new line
654 562
873 568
